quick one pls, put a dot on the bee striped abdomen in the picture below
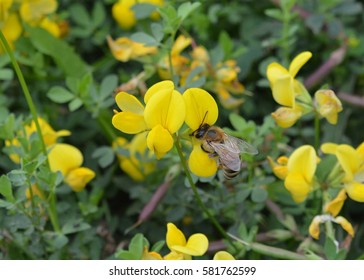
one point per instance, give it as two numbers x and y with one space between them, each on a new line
230 174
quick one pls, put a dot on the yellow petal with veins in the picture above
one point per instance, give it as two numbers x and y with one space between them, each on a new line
164 86
159 141
64 158
175 236
128 122
201 108
298 62
200 163
196 245
166 109
129 103
349 161
355 191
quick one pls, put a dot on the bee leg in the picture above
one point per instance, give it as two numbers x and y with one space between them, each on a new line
212 155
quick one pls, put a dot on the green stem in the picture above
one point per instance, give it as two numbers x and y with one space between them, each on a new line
197 195
171 70
317 131
104 120
33 111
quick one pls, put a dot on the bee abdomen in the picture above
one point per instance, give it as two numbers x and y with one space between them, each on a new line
230 174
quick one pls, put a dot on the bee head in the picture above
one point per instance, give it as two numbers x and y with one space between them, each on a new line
201 131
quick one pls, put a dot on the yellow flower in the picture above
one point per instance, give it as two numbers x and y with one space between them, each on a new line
11 28
196 245
334 206
282 81
179 62
35 191
352 162
162 116
49 135
286 117
279 168
138 163
301 169
328 105
286 89
68 159
200 108
314 228
223 255
124 49
32 11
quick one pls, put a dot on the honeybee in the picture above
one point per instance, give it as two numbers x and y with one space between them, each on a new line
224 147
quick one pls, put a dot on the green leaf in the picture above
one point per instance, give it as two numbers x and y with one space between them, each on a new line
108 84
144 38
186 9
158 246
274 13
330 248
98 14
136 245
64 56
6 74
259 194
348 9
6 189
59 94
143 10
237 121
104 155
226 43
75 104
80 15
126 255
157 31
315 22
75 226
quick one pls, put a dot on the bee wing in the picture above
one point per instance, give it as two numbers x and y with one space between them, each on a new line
237 145
231 159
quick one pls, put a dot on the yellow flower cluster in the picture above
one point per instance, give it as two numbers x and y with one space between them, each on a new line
293 96
64 158
164 113
298 173
182 249
222 78
33 12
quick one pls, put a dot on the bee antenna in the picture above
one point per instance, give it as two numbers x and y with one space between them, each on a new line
204 117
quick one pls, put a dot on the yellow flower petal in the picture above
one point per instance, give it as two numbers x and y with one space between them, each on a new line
314 228
301 169
159 141
349 161
345 224
200 163
196 245
355 191
123 14
281 84
286 117
334 206
129 103
128 122
280 168
164 87
328 105
329 148
180 44
360 151
298 62
175 236
150 255
223 255
78 178
64 158
200 107
166 109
